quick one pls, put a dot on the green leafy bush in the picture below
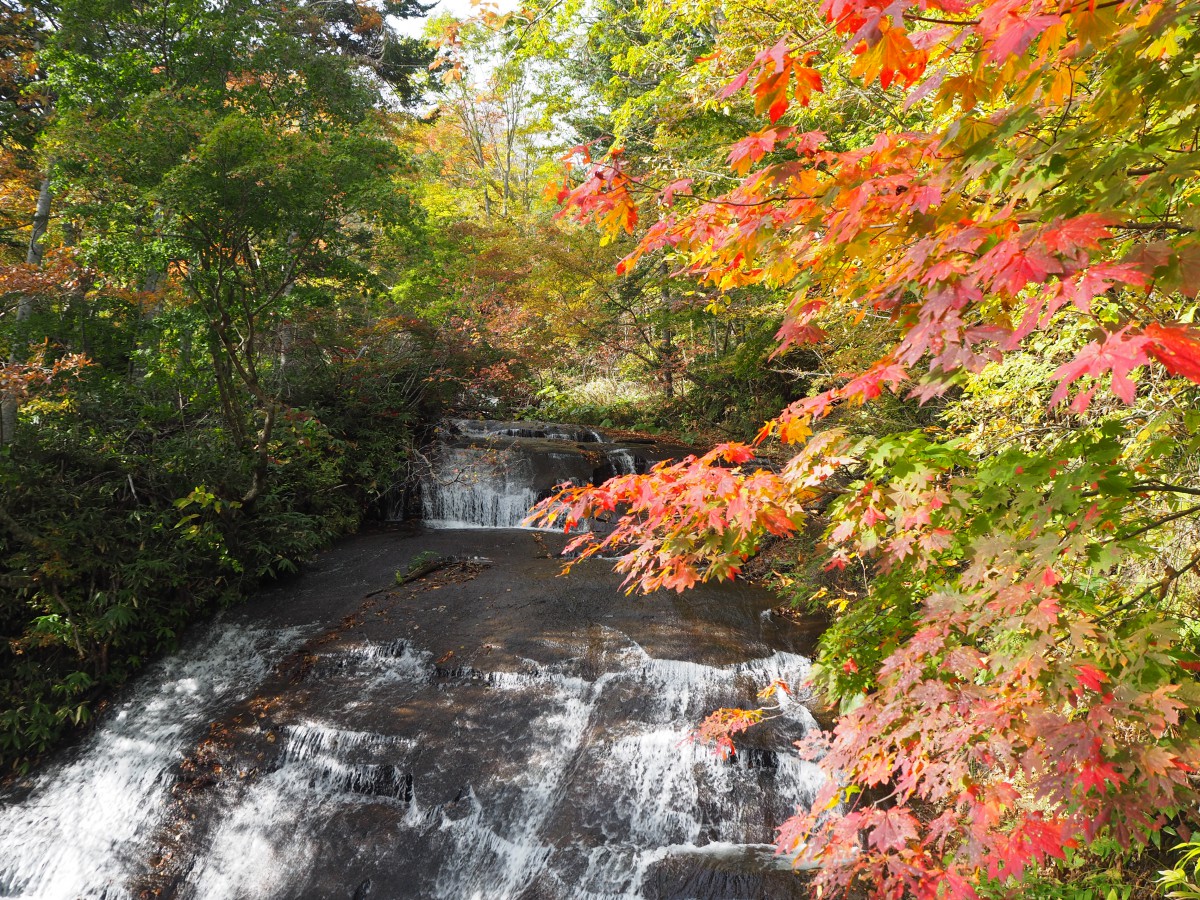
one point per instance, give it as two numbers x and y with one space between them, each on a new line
118 532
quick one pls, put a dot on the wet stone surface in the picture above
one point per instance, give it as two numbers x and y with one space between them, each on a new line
486 731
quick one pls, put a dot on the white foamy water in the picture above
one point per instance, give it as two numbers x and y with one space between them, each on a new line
403 780
623 460
640 780
494 484
269 835
474 488
545 431
606 783
79 832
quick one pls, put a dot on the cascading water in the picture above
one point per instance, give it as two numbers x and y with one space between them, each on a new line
578 784
489 474
477 488
86 819
546 431
496 733
625 461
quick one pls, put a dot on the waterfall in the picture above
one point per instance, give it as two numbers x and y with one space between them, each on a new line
483 474
84 821
478 488
607 786
625 461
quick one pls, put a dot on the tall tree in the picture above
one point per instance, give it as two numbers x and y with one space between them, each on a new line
363 31
24 105
492 103
237 147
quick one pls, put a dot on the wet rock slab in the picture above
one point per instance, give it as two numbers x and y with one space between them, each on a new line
491 730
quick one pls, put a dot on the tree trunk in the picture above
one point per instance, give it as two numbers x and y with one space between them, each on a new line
286 335
262 461
151 284
666 351
153 281
287 339
666 347
668 357
33 257
41 221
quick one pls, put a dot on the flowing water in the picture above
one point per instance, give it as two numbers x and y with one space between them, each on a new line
488 474
489 731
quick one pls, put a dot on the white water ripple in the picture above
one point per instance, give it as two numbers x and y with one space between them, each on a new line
79 832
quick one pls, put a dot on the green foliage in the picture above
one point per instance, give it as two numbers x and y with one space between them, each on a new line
609 402
1182 881
221 179
116 532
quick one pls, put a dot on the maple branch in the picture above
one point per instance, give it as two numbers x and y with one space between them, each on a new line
16 529
971 23
761 11
1172 576
933 20
1150 526
1163 486
1157 226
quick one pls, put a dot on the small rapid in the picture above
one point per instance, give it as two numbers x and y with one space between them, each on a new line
483 474
545 776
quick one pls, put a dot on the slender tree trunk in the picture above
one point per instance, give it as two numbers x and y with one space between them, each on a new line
286 335
287 339
226 392
668 357
151 284
41 221
33 257
153 281
508 153
666 349
262 461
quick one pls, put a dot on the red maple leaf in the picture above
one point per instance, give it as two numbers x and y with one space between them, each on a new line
1119 354
753 147
1081 232
808 142
894 828
736 85
1177 347
680 186
1091 678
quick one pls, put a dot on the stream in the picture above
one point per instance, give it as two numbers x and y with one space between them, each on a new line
489 730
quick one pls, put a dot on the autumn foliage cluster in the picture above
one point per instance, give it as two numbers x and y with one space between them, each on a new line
1018 677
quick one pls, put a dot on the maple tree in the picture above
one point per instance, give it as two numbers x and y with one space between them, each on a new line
1020 662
